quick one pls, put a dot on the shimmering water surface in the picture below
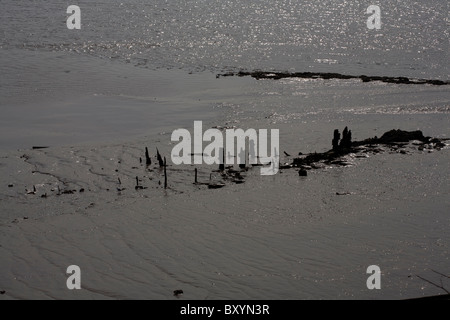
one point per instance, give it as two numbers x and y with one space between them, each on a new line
217 35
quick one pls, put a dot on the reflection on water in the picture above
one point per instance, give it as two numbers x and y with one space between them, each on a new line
219 35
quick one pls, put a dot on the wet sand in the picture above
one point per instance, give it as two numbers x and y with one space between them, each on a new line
281 237
137 71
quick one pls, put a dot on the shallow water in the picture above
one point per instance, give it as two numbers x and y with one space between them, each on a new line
216 35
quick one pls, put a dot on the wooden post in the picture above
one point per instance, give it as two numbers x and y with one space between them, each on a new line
242 156
336 138
160 160
196 181
222 165
165 173
148 161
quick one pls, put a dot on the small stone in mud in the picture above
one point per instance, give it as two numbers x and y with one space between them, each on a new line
178 292
2 292
81 190
25 218
10 185
303 173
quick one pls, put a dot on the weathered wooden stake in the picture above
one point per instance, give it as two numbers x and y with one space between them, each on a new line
148 160
242 165
160 160
336 138
165 173
222 165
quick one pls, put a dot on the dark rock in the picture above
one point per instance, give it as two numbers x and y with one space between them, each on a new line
2 292
10 186
303 173
216 185
401 136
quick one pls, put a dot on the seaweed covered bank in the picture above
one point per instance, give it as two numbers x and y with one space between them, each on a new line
327 75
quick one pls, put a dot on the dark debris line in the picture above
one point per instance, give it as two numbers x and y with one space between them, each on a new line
325 75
